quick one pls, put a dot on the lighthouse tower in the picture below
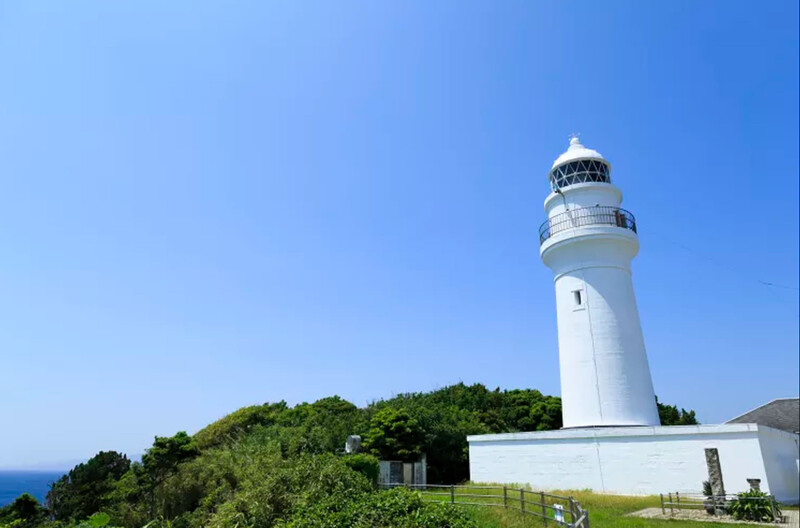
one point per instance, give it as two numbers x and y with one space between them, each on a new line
612 441
589 241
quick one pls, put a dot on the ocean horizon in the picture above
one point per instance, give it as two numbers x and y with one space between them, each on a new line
14 483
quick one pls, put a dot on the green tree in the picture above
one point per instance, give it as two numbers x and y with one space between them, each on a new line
670 415
162 459
24 512
394 435
83 491
546 413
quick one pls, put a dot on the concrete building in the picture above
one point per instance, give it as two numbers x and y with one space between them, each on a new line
612 441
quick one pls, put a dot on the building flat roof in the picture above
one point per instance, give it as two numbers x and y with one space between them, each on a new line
616 432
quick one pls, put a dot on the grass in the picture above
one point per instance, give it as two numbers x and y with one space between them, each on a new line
605 511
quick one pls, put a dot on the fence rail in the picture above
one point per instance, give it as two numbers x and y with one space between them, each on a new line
716 504
563 511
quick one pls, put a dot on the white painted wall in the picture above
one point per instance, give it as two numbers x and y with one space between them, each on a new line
781 452
605 376
633 460
583 195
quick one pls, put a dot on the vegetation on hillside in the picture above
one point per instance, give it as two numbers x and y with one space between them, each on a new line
277 466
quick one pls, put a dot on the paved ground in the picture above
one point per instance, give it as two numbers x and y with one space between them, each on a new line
793 517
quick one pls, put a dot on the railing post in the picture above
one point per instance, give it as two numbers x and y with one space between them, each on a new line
505 497
544 508
452 494
663 511
572 511
522 501
772 507
671 510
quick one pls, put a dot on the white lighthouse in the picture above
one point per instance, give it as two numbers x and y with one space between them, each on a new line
612 440
589 241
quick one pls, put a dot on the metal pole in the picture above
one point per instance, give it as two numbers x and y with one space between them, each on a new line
663 511
505 497
544 508
452 494
671 510
522 501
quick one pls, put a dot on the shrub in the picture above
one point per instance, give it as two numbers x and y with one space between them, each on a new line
397 508
25 511
367 465
707 490
754 505
394 435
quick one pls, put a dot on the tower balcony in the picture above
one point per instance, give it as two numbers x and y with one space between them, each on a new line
586 216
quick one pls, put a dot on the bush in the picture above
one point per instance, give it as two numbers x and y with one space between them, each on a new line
367 465
707 490
25 511
754 505
397 508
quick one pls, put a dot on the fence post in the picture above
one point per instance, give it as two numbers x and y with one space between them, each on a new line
505 497
522 501
678 499
663 511
544 508
671 510
452 494
772 507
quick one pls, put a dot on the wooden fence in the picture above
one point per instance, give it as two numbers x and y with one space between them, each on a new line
562 511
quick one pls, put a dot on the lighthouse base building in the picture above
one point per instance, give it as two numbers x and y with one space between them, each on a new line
612 441
639 460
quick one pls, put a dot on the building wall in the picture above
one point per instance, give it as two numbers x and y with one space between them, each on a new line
781 452
582 195
626 461
605 376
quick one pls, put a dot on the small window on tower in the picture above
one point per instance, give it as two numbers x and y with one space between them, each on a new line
576 295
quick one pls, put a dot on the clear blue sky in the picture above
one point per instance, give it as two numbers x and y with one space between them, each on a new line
210 205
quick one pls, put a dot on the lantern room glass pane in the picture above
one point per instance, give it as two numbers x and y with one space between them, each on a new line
579 171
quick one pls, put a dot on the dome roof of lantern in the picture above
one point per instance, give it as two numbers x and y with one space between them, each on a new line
577 151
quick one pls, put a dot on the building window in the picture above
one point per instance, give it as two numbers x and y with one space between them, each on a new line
576 296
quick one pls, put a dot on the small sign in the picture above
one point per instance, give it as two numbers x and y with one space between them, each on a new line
559 513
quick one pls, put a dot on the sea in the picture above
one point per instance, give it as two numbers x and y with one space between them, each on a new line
15 483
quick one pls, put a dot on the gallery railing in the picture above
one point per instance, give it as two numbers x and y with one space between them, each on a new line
587 216
562 511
